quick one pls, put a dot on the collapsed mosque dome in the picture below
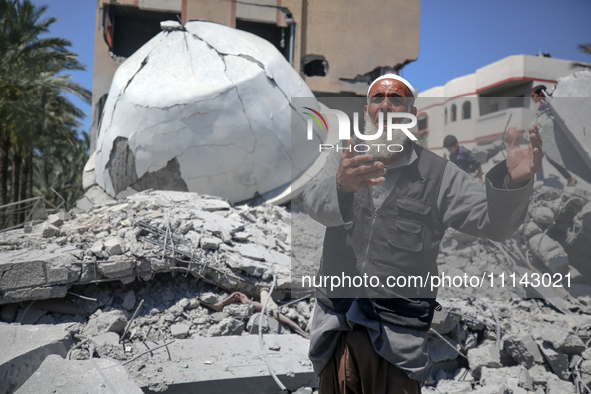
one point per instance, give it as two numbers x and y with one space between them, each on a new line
203 108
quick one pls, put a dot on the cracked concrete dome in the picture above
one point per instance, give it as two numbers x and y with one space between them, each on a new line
204 108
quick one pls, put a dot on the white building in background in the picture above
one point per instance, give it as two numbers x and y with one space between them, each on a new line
478 107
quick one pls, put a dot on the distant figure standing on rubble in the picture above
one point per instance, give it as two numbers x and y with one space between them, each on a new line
386 213
544 119
462 157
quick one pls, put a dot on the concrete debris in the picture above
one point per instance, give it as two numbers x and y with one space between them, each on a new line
95 376
523 349
179 330
486 355
129 301
557 360
109 242
25 347
550 253
555 386
586 372
231 364
102 322
515 378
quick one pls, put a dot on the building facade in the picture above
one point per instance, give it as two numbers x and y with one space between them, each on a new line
337 46
477 108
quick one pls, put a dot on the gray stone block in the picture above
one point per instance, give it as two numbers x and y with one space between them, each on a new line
524 350
550 253
230 365
129 301
543 216
487 355
253 251
179 330
557 360
210 243
444 322
94 376
249 266
514 378
586 372
25 347
113 321
116 269
454 387
114 246
539 374
555 386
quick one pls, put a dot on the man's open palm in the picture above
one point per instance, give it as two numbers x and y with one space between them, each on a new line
522 164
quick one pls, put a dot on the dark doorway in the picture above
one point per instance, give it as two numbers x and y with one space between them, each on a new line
126 29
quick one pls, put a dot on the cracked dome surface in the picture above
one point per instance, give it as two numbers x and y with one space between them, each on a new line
204 108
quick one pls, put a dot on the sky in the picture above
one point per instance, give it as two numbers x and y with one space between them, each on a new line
457 36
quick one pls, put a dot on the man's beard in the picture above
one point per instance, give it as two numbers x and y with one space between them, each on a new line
398 137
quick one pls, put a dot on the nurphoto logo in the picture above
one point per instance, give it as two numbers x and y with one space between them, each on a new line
402 121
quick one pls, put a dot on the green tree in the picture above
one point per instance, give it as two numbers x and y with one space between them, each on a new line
583 48
33 108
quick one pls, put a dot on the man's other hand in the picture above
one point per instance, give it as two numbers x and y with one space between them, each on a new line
522 164
358 172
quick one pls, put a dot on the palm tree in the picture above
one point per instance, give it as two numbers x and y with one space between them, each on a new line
31 86
583 48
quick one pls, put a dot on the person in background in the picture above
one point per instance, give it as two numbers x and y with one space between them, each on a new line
462 157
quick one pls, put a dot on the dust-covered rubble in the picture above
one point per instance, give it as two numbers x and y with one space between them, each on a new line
237 248
176 260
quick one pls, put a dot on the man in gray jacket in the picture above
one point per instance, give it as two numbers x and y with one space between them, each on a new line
385 215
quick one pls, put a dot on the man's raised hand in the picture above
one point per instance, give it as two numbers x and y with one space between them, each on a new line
522 164
358 172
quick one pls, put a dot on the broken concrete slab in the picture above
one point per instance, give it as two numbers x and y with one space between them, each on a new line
111 321
556 386
523 349
550 253
443 322
454 387
539 374
557 360
514 378
114 246
25 347
229 365
586 372
94 376
179 330
487 355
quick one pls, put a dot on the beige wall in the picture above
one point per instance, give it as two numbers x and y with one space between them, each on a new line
219 11
355 37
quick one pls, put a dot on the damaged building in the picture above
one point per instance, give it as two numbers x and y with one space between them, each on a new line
158 94
311 35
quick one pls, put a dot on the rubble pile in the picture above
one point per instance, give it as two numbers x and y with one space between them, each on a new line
145 280
495 340
539 350
237 249
154 268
